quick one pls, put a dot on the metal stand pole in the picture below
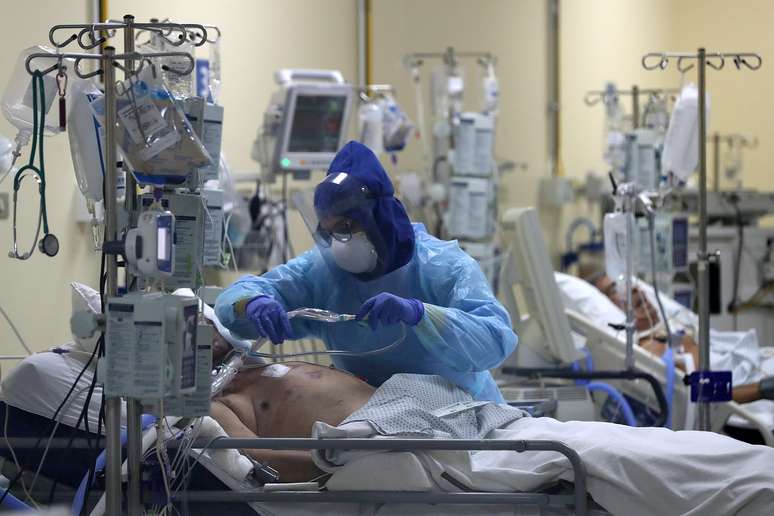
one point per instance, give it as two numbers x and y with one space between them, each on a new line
629 192
133 406
635 107
703 257
716 167
112 404
554 127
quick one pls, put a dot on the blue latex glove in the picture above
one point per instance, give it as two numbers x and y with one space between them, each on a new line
391 309
269 317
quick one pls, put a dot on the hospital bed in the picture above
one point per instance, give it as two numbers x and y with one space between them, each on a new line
37 386
608 352
213 484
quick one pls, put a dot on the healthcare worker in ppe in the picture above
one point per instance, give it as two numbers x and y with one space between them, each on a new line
370 260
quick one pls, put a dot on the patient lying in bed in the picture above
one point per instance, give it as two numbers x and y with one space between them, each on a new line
285 400
600 301
689 472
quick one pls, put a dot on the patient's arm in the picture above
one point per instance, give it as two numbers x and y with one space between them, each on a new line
292 465
741 393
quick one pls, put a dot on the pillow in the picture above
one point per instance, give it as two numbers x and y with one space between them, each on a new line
586 299
85 298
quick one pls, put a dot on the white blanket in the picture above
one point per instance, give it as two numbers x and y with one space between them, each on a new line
632 471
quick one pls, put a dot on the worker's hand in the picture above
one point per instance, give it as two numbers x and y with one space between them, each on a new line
391 309
270 319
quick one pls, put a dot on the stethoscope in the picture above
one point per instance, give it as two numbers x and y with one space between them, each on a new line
49 244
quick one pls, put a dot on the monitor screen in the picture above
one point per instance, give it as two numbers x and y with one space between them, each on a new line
317 123
162 236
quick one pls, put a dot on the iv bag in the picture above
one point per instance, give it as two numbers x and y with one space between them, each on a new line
371 130
681 144
616 249
181 86
17 97
614 151
656 113
396 126
214 71
491 90
6 156
732 164
86 136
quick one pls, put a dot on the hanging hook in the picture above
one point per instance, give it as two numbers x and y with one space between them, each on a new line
720 61
61 76
682 68
95 41
165 30
191 63
60 44
85 75
649 58
750 61
591 98
217 31
41 55
201 35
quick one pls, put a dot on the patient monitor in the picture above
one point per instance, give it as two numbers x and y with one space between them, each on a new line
533 299
305 124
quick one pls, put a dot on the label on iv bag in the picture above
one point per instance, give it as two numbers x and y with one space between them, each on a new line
141 117
145 126
134 354
211 137
197 403
185 250
213 234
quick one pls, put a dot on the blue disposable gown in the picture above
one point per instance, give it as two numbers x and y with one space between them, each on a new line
464 332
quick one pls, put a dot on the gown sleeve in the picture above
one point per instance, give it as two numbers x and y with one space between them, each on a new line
291 284
467 328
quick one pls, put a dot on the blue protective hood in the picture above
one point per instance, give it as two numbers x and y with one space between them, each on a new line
381 214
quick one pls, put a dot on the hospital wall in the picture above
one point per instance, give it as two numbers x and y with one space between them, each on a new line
604 41
258 38
36 293
741 101
601 40
515 32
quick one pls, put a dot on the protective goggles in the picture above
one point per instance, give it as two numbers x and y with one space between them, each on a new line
341 231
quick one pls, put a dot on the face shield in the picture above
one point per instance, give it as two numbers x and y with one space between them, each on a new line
340 214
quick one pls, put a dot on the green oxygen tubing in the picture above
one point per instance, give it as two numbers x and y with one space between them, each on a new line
49 244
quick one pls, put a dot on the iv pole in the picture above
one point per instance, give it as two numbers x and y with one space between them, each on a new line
717 61
89 37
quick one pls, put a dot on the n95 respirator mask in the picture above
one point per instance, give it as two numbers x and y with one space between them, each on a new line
357 255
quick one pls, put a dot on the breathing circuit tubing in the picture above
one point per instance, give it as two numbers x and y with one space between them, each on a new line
315 314
233 365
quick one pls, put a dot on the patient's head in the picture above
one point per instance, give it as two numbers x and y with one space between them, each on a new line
220 346
645 314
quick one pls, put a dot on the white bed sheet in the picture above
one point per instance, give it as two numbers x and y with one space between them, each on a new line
633 471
